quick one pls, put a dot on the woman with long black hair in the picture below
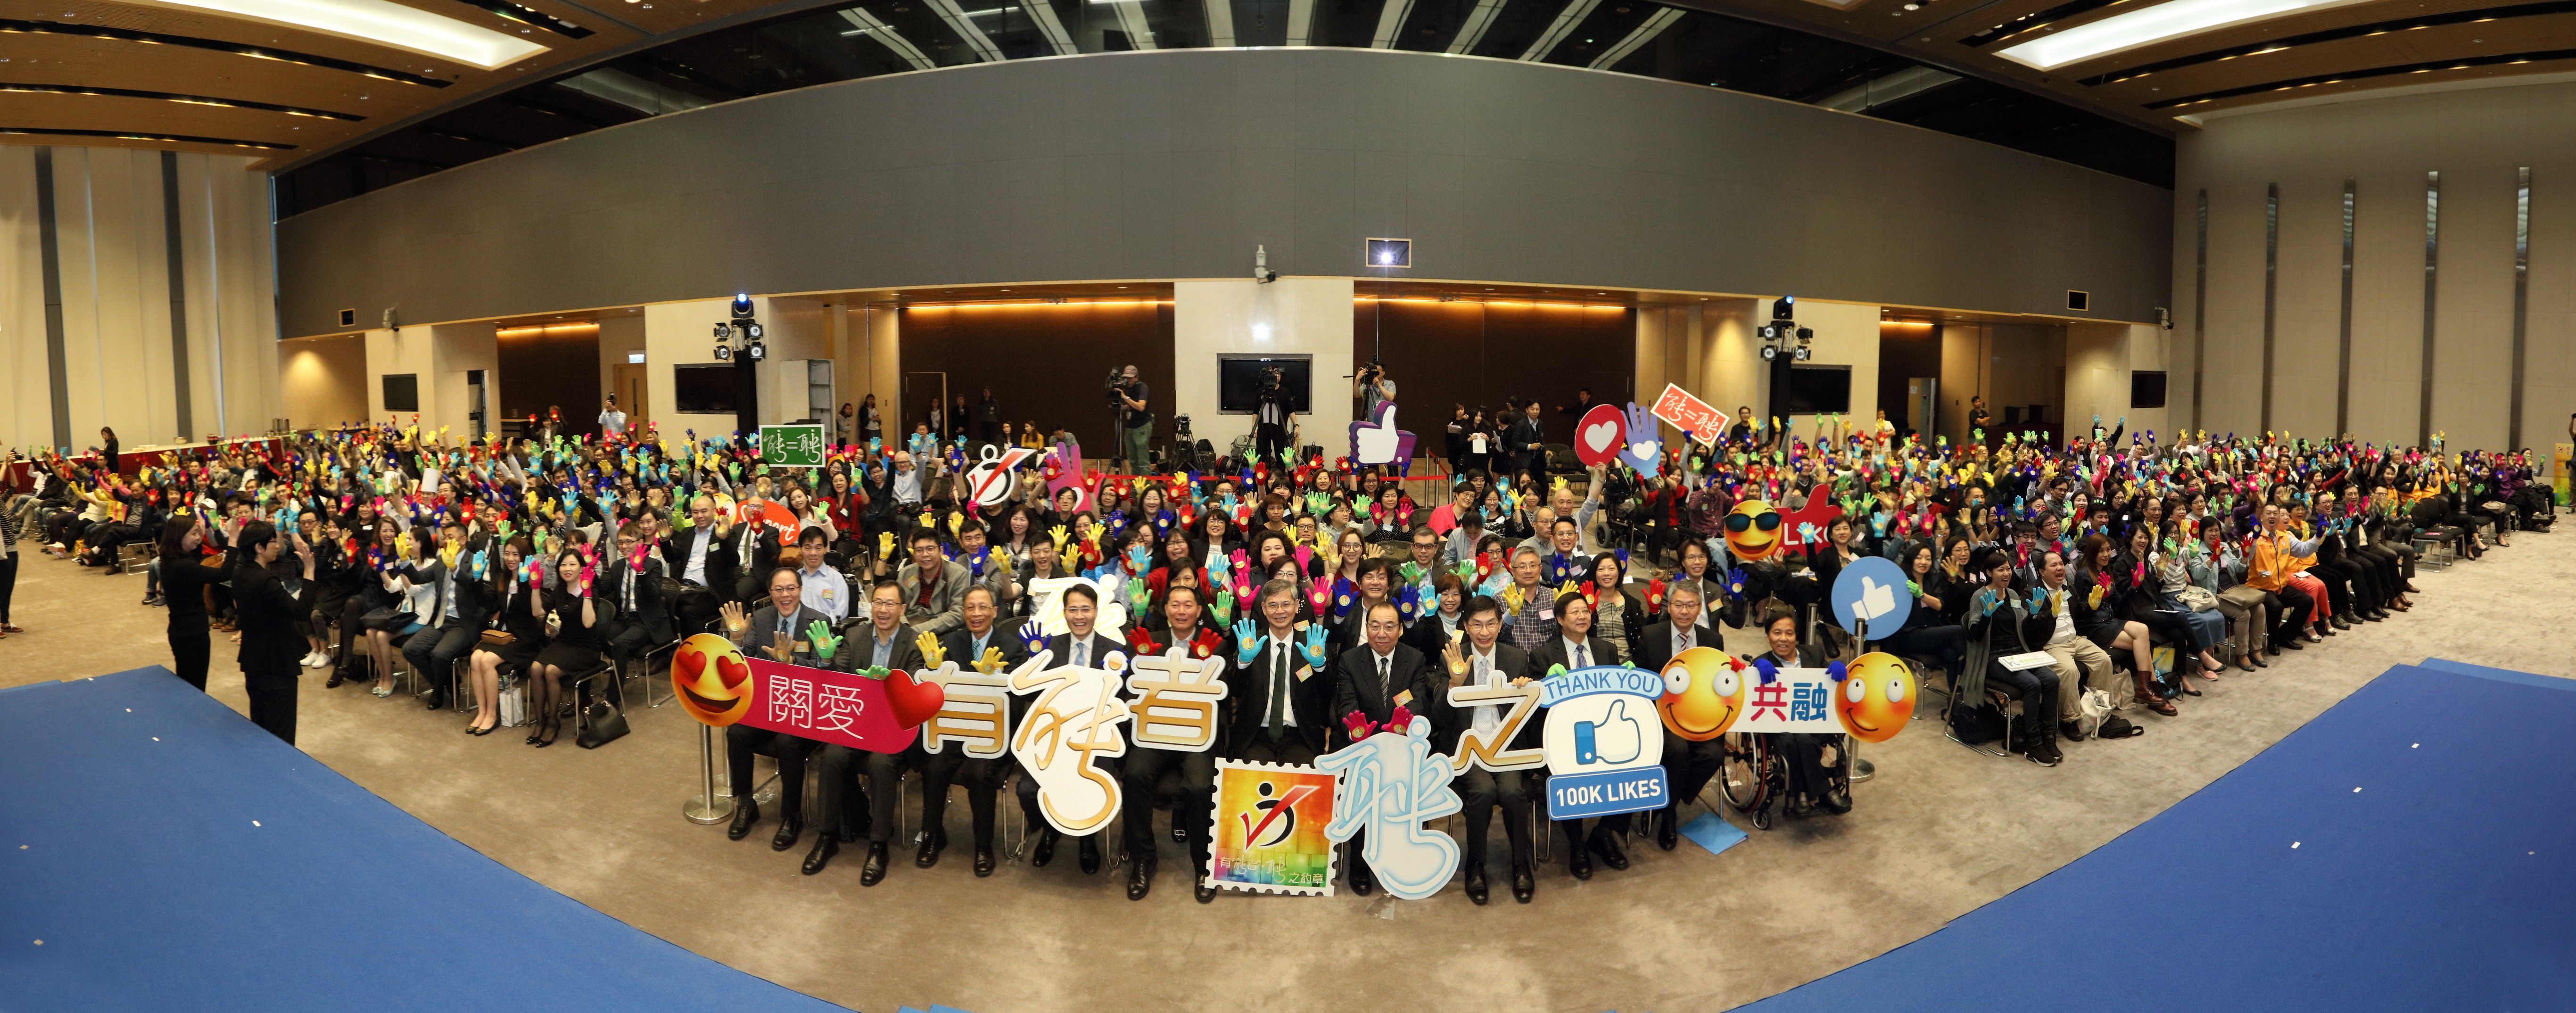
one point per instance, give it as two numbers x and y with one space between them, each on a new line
184 577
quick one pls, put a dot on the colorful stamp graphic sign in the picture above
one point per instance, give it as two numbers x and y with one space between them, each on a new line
1269 834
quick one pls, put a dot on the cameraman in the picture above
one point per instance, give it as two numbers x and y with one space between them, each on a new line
1277 415
1136 422
1371 386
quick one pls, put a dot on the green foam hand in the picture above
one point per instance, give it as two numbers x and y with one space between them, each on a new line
825 644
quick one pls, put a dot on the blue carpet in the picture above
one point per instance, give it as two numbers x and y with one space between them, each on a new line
2444 884
2508 675
172 856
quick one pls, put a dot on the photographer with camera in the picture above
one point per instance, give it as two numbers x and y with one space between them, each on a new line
1132 398
1371 386
1277 415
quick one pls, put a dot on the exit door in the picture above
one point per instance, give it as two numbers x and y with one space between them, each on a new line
1923 404
630 395
474 403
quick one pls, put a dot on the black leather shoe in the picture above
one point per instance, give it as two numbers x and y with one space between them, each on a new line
745 813
1045 851
1838 801
1578 861
983 860
1140 878
1523 884
1363 882
931 843
1200 889
1089 854
788 829
873 871
2340 623
1476 885
2295 646
1606 847
337 677
825 846
437 699
1668 829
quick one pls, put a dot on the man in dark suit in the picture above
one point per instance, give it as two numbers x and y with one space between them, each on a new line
754 544
643 619
1485 659
980 638
1688 765
1281 711
703 558
882 642
456 619
269 643
1143 767
1575 647
1080 646
1373 679
782 621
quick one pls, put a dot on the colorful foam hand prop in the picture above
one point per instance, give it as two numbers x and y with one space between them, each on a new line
991 662
819 633
932 655
1033 635
1643 451
1314 648
885 544
1139 558
1836 671
1247 642
1222 606
1770 669
1358 725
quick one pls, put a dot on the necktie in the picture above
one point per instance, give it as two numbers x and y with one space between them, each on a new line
1385 679
1278 690
1681 642
1582 656
1081 654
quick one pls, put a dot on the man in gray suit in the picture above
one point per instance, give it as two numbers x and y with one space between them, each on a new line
883 642
940 607
779 631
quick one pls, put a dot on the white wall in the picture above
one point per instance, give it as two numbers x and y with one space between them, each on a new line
439 355
2476 139
1846 333
684 332
2100 359
112 249
323 381
1291 316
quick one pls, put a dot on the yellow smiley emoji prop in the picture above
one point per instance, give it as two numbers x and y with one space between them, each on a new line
711 679
1753 530
1703 693
1876 698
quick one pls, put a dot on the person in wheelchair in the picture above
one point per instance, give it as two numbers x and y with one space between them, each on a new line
1819 774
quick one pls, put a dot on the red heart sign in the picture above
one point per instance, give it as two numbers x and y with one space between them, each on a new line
691 663
732 671
913 700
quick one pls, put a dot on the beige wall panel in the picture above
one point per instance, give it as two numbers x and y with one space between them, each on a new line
86 344
2473 354
2233 368
2306 342
323 381
26 415
2387 305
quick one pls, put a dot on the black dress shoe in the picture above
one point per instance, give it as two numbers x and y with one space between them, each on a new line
1606 847
1523 884
1140 878
1668 829
1578 861
2295 646
745 813
825 846
1203 890
337 677
1476 885
437 699
1837 801
1089 854
1362 882
873 870
1045 851
983 860
931 843
789 827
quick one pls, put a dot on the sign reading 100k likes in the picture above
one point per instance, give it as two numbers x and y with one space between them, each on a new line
1604 742
792 446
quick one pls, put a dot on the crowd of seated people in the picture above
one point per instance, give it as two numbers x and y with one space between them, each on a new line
531 566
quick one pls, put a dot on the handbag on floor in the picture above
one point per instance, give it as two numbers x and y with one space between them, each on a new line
601 725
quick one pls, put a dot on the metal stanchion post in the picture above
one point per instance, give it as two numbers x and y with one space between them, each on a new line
1861 770
708 808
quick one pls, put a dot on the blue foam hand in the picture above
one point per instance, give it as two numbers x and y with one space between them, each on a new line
1139 557
1248 641
1408 601
1836 671
1032 635
1315 646
1807 531
1770 669
1218 568
1643 451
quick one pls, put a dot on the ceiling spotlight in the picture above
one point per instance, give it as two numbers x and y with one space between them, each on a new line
755 332
757 351
1802 353
724 331
724 353
1769 353
1769 332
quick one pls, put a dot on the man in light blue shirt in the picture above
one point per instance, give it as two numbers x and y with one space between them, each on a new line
825 590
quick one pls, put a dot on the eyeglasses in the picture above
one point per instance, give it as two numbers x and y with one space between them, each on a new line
1767 521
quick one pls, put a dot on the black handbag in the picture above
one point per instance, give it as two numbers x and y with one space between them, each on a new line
601 725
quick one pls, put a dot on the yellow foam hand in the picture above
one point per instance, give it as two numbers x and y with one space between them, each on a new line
991 662
1512 598
1570 588
1059 536
447 555
1001 560
402 545
926 520
1560 485
885 544
2095 599
956 520
932 655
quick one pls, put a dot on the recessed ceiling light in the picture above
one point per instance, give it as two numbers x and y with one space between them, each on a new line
382 22
2146 26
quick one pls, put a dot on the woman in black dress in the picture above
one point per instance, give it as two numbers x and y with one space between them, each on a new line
571 622
268 605
184 576
512 590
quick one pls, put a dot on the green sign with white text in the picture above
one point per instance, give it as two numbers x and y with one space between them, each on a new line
792 446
